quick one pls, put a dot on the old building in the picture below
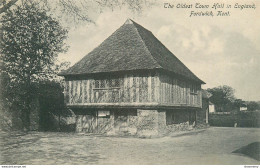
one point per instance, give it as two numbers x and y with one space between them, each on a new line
131 84
243 107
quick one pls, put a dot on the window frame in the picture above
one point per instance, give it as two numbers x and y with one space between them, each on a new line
107 84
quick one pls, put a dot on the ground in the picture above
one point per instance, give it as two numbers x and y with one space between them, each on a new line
209 146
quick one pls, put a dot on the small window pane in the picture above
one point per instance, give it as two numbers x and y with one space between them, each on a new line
102 84
117 83
96 84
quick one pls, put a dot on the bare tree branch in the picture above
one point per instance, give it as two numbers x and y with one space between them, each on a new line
7 6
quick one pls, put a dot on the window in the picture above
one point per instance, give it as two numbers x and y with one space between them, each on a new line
102 84
96 83
194 89
107 83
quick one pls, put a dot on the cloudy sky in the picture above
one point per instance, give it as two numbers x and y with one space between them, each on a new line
219 50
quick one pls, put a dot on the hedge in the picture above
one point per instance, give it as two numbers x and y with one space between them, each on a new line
248 119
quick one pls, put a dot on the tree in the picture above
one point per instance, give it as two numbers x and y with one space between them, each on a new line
79 10
4 6
238 103
252 106
30 43
223 97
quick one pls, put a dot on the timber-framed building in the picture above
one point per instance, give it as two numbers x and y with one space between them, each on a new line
131 84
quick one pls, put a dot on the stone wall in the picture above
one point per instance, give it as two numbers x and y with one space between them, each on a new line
185 126
147 123
142 123
161 122
125 122
132 124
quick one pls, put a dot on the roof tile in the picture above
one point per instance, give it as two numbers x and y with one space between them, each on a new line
131 47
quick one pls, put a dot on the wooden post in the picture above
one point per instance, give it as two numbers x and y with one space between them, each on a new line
137 88
131 88
91 93
83 83
125 89
157 87
97 120
82 91
149 88
87 89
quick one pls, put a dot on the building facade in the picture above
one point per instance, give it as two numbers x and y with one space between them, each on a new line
212 107
131 84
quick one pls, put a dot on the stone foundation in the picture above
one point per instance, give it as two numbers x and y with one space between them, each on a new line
179 127
147 123
161 122
140 122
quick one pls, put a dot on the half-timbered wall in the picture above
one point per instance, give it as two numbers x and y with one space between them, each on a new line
174 91
124 89
132 89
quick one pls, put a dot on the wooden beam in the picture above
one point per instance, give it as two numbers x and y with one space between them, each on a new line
125 89
157 87
91 93
87 92
131 88
149 92
131 105
137 88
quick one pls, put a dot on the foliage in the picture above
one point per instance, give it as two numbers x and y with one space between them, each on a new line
237 104
4 6
30 43
252 106
79 11
248 119
223 97
50 95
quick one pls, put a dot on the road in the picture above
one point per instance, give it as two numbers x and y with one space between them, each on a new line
211 146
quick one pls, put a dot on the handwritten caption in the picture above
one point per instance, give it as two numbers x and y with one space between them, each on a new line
216 9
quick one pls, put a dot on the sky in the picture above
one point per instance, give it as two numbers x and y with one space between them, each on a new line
220 50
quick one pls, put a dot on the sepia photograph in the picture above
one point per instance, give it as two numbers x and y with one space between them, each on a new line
129 82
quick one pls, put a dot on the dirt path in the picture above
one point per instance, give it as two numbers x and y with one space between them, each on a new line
212 146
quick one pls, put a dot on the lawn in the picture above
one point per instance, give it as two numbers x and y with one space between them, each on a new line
214 145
